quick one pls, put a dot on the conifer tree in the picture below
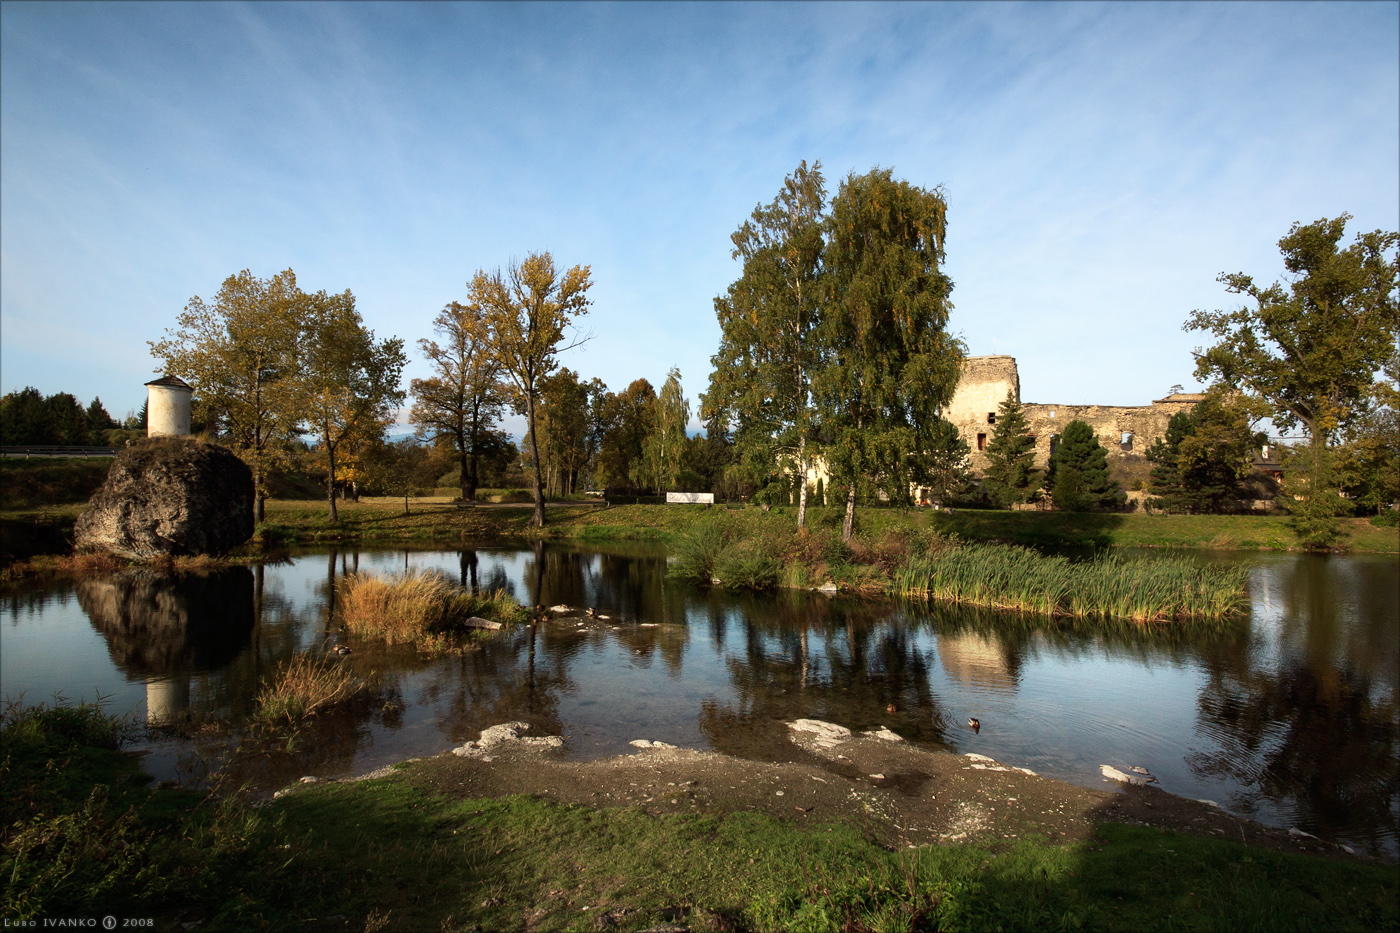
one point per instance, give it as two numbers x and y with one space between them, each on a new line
1011 475
1078 474
946 471
1165 481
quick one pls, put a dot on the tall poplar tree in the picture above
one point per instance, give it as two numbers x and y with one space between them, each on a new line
523 317
1010 475
762 379
888 364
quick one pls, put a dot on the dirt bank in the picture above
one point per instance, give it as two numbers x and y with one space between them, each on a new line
900 795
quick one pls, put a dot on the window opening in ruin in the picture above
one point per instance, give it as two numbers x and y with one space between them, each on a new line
1033 439
1127 442
1054 443
981 442
1052 414
991 417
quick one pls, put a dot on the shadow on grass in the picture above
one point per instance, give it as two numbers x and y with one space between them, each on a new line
1045 529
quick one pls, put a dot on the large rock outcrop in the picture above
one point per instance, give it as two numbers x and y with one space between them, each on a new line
170 496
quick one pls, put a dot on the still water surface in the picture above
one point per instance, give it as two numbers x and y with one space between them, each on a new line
1289 717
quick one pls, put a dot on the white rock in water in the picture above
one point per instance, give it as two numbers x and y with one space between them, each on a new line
884 734
309 780
1028 771
825 734
973 756
1348 850
648 743
1113 774
1209 803
561 610
1295 832
829 589
505 732
478 622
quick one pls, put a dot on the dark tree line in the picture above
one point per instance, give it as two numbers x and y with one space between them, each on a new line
27 417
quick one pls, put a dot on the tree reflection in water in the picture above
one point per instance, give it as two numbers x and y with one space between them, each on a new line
1306 715
809 657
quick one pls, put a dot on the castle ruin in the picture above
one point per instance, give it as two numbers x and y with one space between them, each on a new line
1125 431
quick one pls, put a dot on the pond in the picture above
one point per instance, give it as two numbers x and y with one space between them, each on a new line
1288 716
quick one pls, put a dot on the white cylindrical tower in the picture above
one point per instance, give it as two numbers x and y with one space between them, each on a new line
168 407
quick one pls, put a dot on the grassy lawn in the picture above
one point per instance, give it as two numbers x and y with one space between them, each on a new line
440 520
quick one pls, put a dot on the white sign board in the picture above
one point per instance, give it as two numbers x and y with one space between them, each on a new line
691 498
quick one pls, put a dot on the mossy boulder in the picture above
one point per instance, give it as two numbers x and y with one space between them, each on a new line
171 496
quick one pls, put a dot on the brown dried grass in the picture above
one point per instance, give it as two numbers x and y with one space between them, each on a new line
307 685
425 610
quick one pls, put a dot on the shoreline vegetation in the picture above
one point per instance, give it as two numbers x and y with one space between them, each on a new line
414 847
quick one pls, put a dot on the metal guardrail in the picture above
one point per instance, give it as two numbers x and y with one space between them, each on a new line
49 450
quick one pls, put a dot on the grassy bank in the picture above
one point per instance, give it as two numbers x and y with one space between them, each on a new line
84 837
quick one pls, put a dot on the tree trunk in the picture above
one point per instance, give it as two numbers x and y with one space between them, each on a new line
537 520
259 511
802 478
849 524
330 482
464 481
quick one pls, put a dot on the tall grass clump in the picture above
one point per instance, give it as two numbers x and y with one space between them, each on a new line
425 609
1017 578
308 685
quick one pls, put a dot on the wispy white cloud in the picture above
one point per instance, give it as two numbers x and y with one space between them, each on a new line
1102 162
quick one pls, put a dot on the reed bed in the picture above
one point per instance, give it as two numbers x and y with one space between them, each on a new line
426 610
308 685
1016 578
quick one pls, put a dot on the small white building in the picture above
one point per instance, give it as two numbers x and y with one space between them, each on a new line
168 407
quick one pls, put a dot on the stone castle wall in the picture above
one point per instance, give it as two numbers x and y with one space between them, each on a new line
1125 431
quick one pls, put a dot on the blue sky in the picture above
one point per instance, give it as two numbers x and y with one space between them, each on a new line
1102 163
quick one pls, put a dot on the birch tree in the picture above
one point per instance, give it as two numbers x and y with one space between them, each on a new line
887 365
762 380
660 463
